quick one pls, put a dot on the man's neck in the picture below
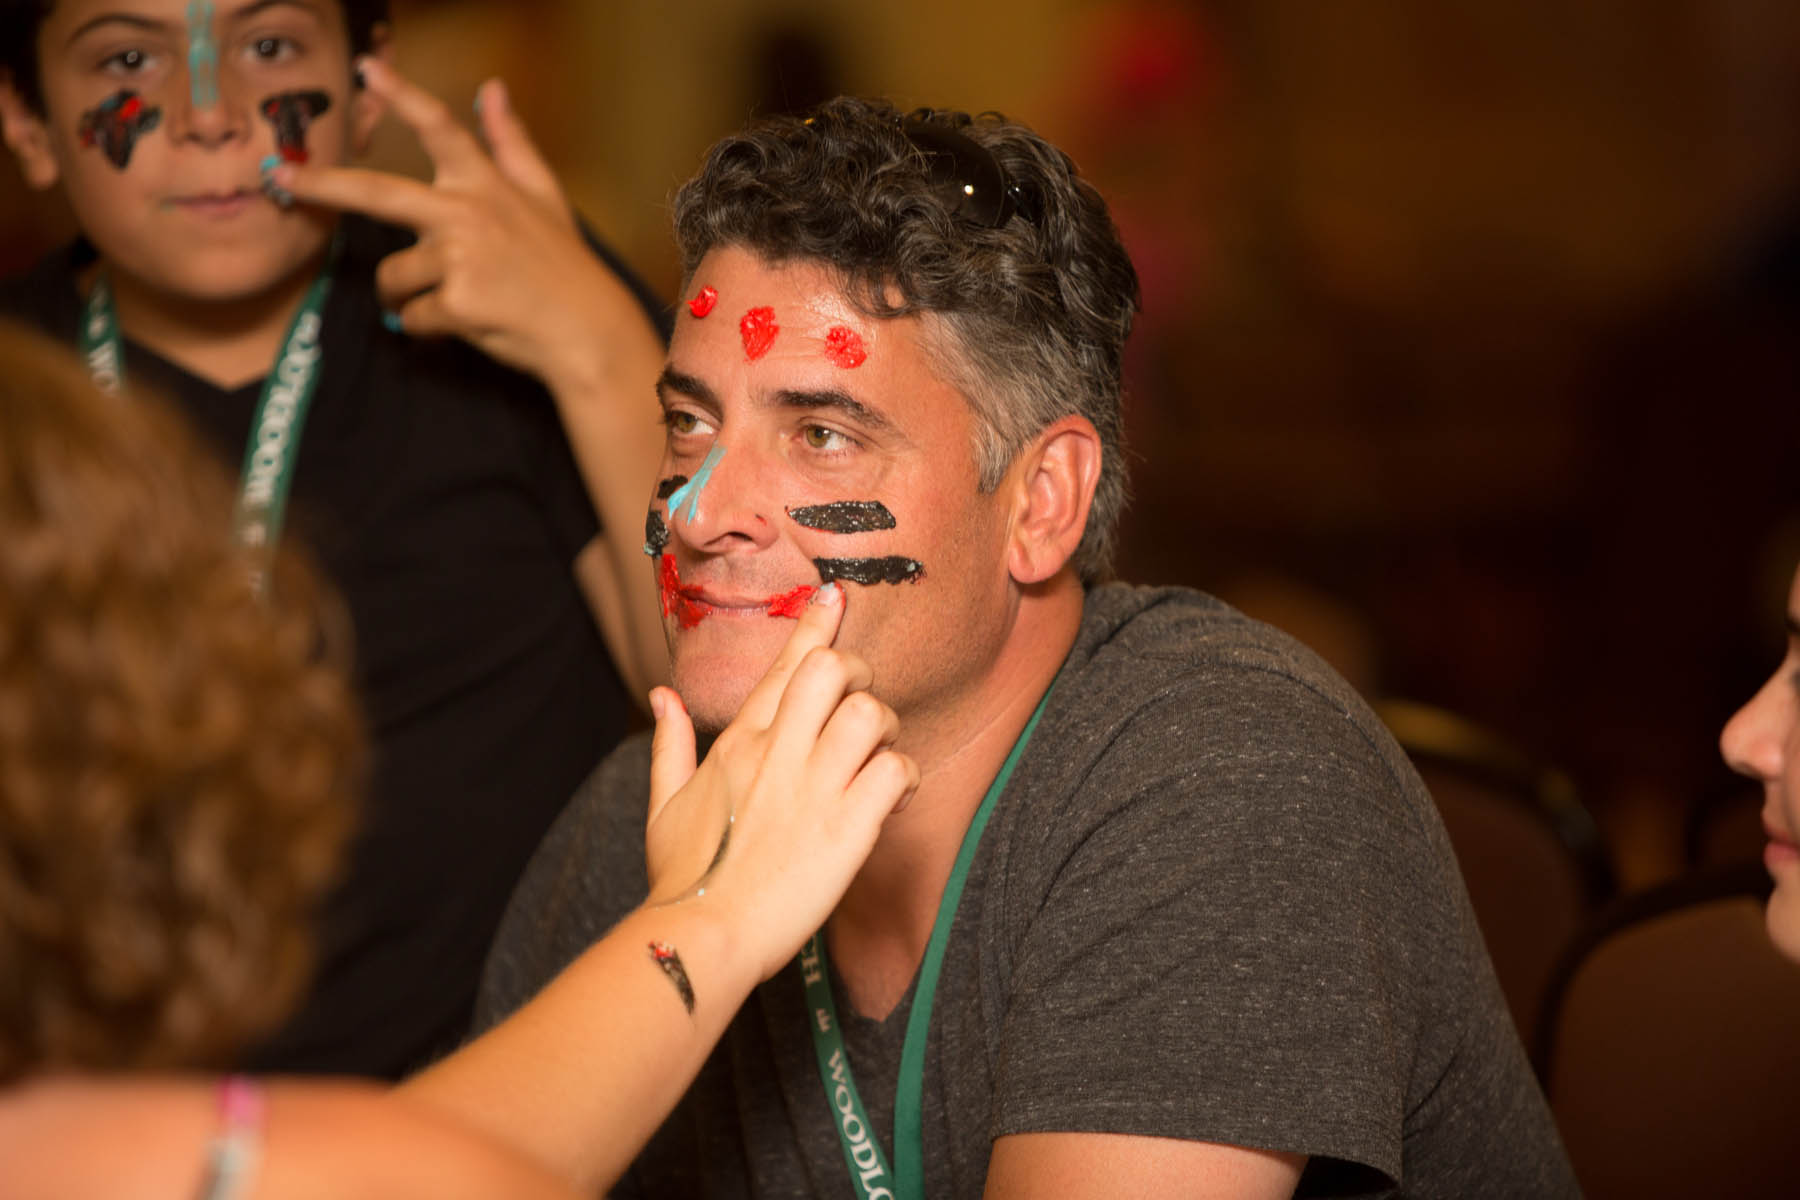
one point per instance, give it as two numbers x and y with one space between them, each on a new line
878 933
228 344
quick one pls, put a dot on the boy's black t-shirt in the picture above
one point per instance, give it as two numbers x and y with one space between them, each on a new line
438 490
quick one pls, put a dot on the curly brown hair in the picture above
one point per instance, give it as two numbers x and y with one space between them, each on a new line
1035 310
179 755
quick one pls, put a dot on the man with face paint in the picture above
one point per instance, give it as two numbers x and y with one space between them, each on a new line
1170 913
465 509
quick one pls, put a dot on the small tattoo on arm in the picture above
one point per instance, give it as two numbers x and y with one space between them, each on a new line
670 962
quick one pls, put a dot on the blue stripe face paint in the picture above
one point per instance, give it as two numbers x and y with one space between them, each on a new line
689 492
203 55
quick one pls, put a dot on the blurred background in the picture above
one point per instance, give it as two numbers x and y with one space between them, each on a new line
1469 344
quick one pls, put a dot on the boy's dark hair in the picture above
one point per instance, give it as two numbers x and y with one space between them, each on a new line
20 21
1032 302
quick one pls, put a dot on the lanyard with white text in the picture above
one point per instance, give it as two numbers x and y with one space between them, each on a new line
862 1149
280 411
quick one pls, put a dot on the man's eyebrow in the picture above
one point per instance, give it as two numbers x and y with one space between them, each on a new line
680 382
134 20
838 399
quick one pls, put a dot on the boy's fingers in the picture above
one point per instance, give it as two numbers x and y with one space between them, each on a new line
817 626
440 133
671 749
405 273
391 198
514 152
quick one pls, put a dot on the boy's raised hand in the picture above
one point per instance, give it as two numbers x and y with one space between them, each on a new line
499 260
803 776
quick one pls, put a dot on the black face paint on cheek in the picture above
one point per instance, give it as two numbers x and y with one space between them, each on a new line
116 124
670 486
656 534
844 516
892 569
290 113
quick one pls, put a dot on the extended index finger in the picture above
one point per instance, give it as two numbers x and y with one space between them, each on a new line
817 626
445 139
392 198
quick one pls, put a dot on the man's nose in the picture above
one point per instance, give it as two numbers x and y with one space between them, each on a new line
1752 741
724 504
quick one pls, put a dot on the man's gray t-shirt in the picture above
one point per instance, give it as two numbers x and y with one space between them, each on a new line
1214 902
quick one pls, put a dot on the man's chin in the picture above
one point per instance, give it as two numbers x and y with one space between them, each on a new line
715 680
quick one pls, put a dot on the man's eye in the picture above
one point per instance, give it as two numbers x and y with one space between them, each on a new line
821 438
682 422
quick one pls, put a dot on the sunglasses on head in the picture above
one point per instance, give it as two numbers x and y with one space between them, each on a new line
965 174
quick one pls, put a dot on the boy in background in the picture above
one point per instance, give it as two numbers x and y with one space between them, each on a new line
469 512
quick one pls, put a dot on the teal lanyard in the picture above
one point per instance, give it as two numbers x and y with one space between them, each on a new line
869 1169
280 412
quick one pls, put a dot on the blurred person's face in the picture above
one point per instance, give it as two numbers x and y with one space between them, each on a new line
1763 741
157 117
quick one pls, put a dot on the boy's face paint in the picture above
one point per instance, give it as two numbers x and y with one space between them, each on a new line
203 55
173 198
884 454
703 302
114 126
291 113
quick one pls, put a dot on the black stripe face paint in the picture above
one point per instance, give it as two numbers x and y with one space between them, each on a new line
892 569
844 516
290 113
656 531
656 534
115 125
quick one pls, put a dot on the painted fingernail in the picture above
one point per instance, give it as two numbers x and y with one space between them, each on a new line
828 594
391 321
271 185
477 104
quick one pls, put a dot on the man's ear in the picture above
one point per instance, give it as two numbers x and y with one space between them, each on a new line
27 136
366 108
1054 481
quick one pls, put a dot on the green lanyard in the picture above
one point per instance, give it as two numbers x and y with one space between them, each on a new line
280 412
869 1169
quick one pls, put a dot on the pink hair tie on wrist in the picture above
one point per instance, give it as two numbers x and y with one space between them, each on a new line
233 1153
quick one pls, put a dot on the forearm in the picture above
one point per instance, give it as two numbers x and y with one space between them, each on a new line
580 1077
604 383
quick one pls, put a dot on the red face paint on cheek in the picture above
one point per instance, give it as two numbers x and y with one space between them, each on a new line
844 347
792 604
703 301
687 611
758 329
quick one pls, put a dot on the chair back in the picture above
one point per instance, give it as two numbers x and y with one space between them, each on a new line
1671 1054
1530 855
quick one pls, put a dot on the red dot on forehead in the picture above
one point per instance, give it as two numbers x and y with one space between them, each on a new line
703 301
758 329
844 346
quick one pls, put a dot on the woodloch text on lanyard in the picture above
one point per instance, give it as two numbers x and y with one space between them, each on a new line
869 1170
280 415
